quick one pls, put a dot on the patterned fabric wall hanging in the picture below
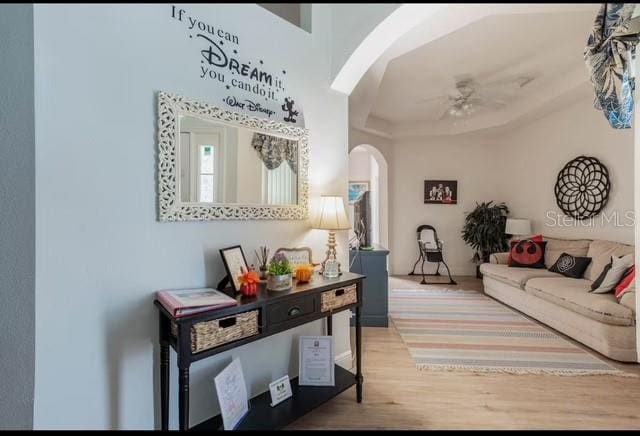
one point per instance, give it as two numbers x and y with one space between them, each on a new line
582 188
274 150
610 58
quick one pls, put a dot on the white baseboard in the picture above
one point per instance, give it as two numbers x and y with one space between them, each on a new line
345 360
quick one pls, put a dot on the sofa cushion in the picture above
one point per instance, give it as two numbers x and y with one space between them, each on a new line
600 253
628 299
514 276
555 247
573 294
615 272
628 284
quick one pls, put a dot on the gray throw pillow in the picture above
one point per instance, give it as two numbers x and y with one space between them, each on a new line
619 265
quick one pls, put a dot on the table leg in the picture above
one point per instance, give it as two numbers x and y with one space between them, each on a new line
164 385
329 325
359 378
183 399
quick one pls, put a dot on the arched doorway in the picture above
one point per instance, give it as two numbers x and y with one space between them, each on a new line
367 164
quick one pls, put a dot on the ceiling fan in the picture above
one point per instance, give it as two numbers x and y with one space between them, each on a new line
470 95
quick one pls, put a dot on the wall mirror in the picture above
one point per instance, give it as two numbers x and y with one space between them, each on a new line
219 164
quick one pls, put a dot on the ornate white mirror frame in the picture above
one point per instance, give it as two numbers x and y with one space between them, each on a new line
170 208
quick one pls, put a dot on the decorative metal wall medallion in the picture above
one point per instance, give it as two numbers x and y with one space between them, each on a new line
582 188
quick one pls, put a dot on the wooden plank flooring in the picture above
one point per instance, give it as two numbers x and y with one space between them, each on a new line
399 396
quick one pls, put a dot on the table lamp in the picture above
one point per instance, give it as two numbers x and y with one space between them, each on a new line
331 216
518 226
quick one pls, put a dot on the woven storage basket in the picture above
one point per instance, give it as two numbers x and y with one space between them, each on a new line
209 334
329 300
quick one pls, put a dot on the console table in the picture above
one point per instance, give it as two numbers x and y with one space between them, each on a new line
276 312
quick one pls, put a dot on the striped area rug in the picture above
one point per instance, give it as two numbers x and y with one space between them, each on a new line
466 330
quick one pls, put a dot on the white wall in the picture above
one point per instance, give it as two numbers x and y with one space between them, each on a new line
465 159
359 165
519 168
249 170
100 251
531 157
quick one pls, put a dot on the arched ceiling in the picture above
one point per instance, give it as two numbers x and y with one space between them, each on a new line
494 43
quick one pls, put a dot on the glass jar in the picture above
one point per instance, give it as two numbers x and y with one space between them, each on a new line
279 283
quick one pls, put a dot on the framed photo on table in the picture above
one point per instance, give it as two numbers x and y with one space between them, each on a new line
235 263
297 255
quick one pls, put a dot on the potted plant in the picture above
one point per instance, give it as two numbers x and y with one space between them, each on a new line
280 271
484 231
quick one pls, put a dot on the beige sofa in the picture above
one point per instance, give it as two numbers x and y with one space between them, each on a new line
597 320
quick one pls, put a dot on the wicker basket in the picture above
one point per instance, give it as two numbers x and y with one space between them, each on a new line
337 298
210 334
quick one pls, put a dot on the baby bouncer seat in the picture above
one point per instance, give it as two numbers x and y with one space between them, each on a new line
430 250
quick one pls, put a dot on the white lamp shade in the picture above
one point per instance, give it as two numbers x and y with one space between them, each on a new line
518 226
331 214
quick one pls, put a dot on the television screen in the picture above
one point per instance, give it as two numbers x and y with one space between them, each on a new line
362 219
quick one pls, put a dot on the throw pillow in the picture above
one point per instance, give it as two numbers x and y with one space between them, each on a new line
534 238
596 283
625 283
527 254
570 266
619 265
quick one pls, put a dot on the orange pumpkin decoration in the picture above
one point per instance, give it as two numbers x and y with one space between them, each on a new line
249 283
304 273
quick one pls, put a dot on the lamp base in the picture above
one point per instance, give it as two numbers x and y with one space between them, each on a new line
331 268
330 265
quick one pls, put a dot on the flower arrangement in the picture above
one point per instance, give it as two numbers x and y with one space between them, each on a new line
279 265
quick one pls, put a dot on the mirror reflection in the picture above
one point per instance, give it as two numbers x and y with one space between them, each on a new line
219 163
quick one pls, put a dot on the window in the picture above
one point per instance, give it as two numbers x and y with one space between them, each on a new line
279 185
207 186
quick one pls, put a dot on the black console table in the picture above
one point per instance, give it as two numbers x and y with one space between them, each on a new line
277 311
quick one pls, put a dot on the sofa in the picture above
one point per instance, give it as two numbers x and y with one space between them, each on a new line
599 321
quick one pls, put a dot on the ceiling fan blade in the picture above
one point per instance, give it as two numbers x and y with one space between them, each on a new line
445 114
515 82
491 104
432 99
496 94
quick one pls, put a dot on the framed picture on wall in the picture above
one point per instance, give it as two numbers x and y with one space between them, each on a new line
235 263
356 189
441 192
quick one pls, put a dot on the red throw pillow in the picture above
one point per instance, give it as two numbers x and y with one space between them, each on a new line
527 253
622 287
534 238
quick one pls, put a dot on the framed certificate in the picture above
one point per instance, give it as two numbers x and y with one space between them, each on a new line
317 367
232 394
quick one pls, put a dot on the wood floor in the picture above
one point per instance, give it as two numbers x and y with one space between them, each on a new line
398 396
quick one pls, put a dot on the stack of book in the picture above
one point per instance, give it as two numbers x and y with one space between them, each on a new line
184 302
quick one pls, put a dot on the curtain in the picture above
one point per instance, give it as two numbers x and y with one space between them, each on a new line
610 58
273 151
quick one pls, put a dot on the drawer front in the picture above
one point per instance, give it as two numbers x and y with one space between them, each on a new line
282 312
337 298
216 332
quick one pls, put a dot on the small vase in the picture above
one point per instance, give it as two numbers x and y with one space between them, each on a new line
263 272
279 283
